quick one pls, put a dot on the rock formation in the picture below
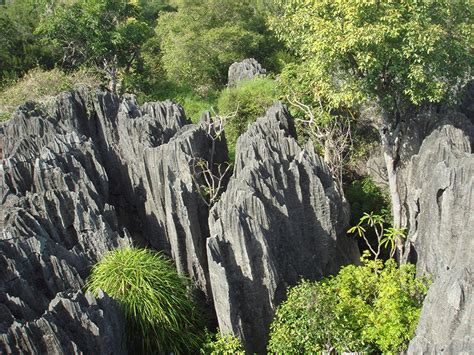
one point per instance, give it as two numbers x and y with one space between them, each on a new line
77 175
57 224
174 206
90 172
438 194
72 324
246 69
280 220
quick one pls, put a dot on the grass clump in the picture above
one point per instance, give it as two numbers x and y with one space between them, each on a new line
41 85
160 316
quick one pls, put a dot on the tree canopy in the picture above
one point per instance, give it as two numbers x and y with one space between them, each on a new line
201 40
105 33
398 52
369 308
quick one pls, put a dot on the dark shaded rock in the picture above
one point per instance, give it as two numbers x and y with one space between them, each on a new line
72 324
246 69
438 198
466 105
280 220
175 208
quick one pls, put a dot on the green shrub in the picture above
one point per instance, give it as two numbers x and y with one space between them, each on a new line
40 85
363 195
160 316
244 104
374 307
218 344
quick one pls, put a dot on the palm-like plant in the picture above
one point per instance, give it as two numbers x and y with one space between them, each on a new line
386 237
160 316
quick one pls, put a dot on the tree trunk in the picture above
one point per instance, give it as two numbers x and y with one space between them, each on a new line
390 139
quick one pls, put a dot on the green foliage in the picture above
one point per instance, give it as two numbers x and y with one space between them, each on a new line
385 237
105 33
374 307
20 49
397 52
218 344
364 195
243 104
202 39
40 85
160 316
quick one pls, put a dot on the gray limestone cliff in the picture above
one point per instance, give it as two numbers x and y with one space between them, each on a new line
57 224
281 219
438 195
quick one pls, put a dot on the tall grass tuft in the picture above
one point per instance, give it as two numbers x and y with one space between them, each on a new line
160 316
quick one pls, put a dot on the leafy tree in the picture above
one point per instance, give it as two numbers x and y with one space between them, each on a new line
20 49
160 316
104 33
201 40
399 54
374 307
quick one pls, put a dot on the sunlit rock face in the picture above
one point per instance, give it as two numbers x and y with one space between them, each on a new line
438 185
280 220
244 70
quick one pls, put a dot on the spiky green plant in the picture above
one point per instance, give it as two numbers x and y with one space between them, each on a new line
160 316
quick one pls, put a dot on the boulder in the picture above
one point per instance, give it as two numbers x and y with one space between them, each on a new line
280 220
246 69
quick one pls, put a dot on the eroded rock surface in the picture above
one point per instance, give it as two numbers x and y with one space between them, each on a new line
246 69
57 225
439 206
76 177
72 324
175 207
280 220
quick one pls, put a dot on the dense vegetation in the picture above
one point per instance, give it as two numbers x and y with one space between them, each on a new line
328 61
369 308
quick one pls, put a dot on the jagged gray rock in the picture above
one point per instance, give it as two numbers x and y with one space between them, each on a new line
280 220
174 206
57 225
74 178
438 195
246 69
72 324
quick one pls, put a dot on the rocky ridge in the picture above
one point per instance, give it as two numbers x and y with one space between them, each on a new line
281 219
439 200
73 183
95 172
